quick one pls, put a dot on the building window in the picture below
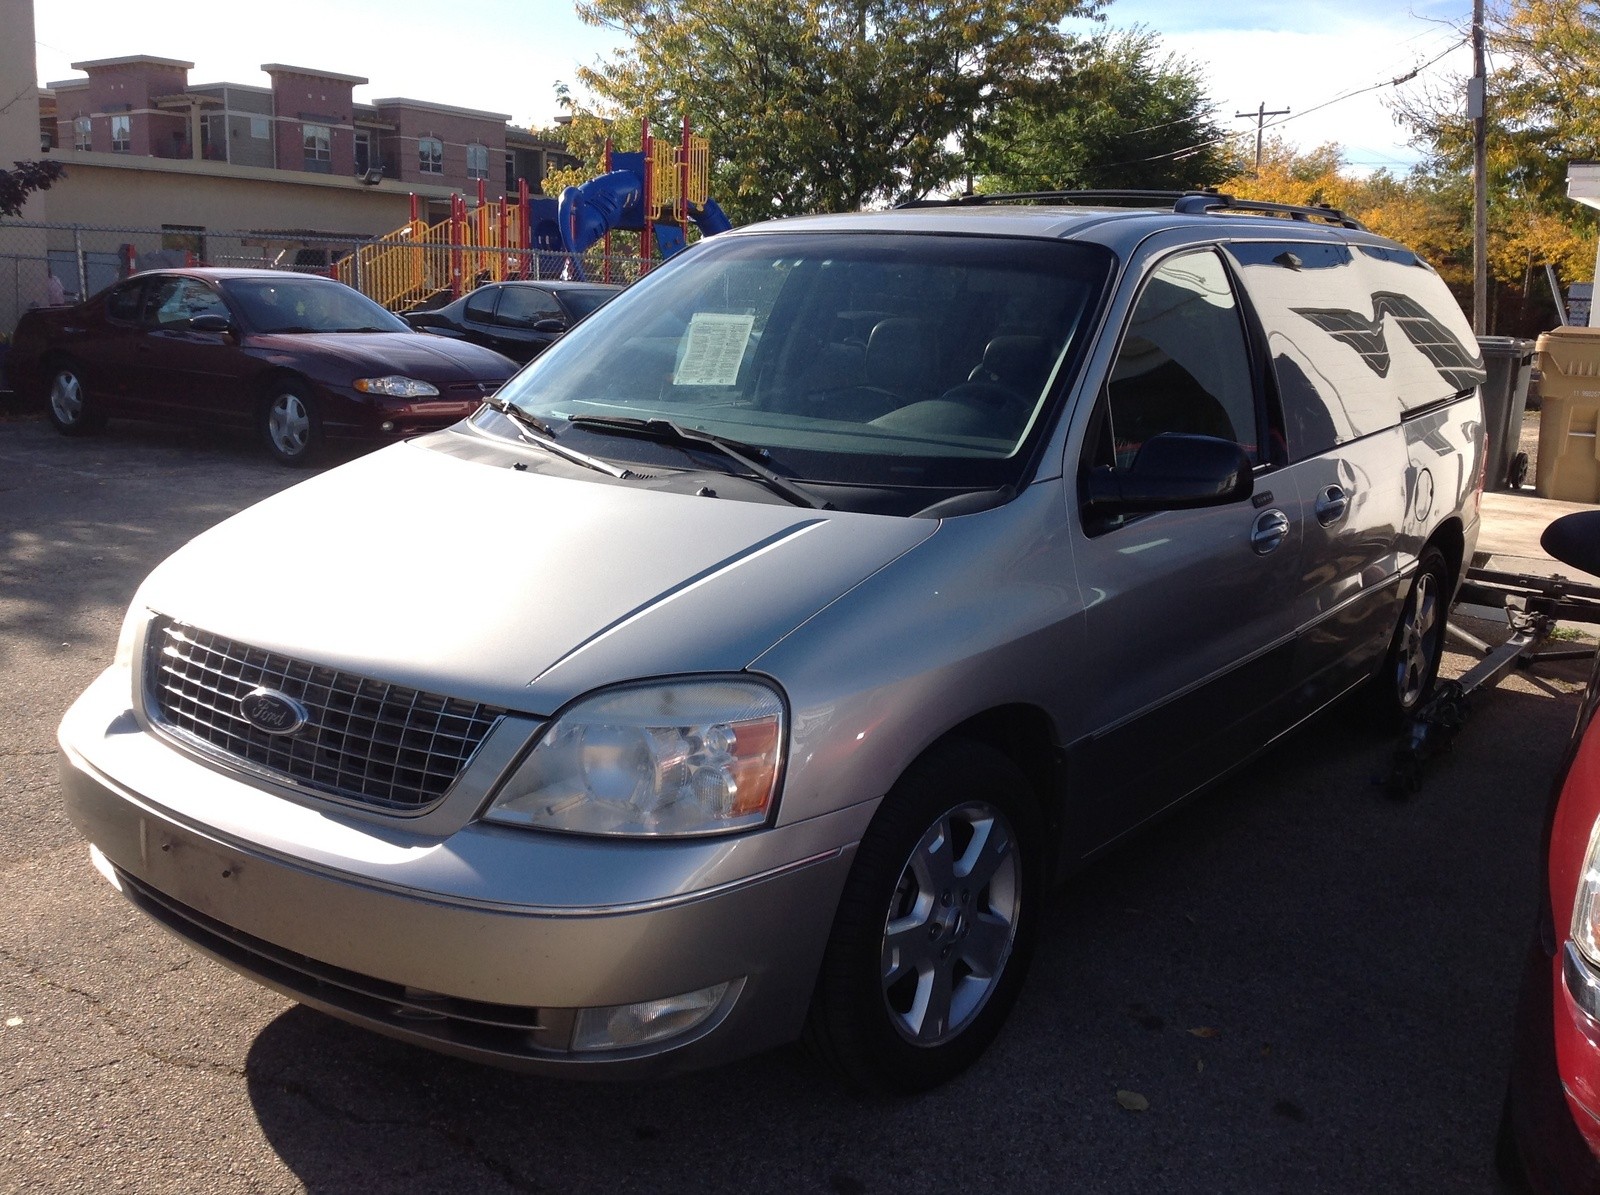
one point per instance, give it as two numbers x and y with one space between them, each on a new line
82 133
364 160
319 155
477 161
430 155
260 128
121 139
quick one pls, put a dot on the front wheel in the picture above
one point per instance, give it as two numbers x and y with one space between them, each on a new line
934 929
289 424
71 409
1412 664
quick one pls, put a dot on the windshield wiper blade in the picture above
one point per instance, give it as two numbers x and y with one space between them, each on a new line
534 430
675 433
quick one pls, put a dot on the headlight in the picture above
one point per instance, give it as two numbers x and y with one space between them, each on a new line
395 386
678 758
1586 909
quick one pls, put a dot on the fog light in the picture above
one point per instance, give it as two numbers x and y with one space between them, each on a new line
388 425
625 1025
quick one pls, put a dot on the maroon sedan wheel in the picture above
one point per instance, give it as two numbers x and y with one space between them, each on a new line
289 424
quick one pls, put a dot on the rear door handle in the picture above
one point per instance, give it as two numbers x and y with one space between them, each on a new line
1270 530
1330 505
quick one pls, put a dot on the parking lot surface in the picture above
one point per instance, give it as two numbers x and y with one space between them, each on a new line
1309 984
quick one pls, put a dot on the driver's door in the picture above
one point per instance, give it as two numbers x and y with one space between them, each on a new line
184 373
1188 612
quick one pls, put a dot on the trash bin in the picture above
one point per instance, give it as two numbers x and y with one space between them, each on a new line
1569 395
1509 362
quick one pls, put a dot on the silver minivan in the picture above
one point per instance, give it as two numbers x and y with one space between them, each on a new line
749 666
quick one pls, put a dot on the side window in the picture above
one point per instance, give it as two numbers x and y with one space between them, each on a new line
480 303
1183 366
524 306
122 304
173 302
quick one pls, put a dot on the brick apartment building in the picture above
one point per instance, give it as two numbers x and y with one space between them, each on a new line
145 148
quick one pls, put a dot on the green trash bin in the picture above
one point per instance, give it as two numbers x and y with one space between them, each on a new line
1509 363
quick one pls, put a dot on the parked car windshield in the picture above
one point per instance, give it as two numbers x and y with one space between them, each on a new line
886 359
291 304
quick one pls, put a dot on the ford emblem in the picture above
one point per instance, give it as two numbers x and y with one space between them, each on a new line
273 712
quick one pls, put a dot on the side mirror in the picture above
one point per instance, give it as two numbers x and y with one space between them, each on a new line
1172 471
212 323
1575 540
550 325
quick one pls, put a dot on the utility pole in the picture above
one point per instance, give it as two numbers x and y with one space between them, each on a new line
1477 111
1260 116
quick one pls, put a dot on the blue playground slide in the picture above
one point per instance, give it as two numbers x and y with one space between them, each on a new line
586 213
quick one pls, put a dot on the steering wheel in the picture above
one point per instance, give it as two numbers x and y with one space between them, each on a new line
1003 408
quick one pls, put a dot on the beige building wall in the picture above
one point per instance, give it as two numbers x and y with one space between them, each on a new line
22 281
115 190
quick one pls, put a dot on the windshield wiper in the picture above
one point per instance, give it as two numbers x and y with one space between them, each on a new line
534 430
673 433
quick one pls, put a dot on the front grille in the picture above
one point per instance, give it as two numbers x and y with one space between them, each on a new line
365 741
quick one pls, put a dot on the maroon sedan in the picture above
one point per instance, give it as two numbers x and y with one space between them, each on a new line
1550 1138
299 358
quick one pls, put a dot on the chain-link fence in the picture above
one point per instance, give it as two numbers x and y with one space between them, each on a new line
51 264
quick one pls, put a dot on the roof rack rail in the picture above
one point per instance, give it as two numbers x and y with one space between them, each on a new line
1196 202
1201 202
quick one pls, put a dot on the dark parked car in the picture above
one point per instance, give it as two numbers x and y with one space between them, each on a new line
298 357
519 319
1550 1139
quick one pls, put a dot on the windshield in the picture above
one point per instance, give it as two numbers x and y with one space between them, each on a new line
291 304
885 359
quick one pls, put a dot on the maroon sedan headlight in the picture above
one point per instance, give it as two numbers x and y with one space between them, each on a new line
396 386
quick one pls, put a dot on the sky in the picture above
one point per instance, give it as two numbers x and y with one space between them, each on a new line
507 55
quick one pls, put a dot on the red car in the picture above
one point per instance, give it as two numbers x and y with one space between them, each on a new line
1550 1137
301 359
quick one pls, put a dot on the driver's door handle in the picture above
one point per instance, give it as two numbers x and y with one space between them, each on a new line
1270 530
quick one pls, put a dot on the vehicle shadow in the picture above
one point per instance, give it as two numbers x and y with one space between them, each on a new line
1309 984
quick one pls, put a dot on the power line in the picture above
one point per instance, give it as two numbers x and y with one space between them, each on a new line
1186 151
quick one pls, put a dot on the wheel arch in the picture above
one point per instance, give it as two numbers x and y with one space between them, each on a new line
1025 735
1451 540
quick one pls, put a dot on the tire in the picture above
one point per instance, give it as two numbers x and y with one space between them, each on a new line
289 423
922 968
68 403
1412 663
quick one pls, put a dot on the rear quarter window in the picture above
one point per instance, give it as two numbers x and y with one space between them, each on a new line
1359 336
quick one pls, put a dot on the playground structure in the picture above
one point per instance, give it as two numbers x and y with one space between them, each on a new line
657 192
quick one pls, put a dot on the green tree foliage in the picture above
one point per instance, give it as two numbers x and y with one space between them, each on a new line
1543 113
1117 114
28 177
827 105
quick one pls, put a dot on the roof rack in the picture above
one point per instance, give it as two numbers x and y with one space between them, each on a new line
1198 202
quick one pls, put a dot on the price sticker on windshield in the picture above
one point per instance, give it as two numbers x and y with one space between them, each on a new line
715 349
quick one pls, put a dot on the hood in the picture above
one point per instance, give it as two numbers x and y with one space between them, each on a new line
374 354
514 587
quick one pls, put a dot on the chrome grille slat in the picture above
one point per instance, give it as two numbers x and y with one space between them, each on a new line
367 741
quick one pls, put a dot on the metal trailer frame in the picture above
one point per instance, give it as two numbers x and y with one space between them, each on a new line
1533 605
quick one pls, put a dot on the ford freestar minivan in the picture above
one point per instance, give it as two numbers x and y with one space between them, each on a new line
820 600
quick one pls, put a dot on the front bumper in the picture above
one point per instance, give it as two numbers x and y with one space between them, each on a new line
1551 1130
482 943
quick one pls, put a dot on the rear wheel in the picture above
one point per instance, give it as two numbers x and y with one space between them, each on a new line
289 423
71 409
934 930
1412 664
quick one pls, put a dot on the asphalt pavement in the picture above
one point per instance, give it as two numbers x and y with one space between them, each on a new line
1309 984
